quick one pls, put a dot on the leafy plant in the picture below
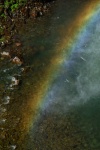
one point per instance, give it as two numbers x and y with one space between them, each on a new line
11 5
6 4
3 15
14 7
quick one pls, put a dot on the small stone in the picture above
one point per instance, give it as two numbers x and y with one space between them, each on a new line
13 147
41 13
18 44
17 61
2 44
5 54
22 69
14 81
6 100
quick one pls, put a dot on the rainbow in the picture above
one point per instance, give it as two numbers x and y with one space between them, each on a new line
75 32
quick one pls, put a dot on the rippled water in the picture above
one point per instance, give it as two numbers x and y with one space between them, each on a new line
69 118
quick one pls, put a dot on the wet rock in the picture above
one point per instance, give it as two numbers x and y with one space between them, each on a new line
40 13
13 147
2 44
17 60
5 54
22 69
18 44
14 81
6 100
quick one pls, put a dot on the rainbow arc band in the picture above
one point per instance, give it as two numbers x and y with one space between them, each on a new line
75 31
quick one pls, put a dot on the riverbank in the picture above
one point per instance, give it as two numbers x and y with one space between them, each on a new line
15 67
12 18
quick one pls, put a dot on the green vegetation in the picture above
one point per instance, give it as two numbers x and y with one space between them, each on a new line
12 11
9 6
7 9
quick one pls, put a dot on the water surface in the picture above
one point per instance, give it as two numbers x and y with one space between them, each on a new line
68 116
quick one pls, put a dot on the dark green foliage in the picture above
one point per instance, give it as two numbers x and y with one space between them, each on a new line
8 6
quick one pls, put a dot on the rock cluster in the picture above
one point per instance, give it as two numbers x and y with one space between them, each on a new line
9 25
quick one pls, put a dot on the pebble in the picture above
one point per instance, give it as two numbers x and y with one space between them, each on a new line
5 54
6 100
14 81
41 13
2 121
16 60
22 69
2 44
13 147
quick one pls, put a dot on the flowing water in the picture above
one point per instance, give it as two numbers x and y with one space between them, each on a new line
53 109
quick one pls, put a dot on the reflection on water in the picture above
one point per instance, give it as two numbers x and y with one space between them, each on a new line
69 116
